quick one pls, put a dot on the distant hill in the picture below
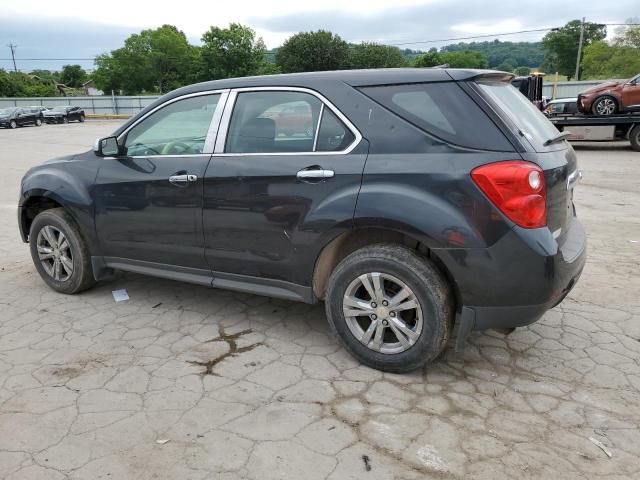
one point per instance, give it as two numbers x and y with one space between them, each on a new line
515 54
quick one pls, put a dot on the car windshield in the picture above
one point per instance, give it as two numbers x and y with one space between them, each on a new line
59 109
6 111
530 122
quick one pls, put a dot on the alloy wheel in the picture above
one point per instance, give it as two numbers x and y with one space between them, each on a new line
606 106
382 312
54 252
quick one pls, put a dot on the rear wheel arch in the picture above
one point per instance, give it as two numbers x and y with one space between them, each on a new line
345 244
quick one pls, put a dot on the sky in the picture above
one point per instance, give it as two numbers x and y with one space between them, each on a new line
63 30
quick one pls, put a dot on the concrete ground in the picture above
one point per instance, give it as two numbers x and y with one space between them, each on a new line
151 388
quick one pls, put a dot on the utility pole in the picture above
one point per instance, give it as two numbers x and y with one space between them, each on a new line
13 55
577 76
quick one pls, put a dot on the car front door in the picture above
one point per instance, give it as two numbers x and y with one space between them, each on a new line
24 117
149 200
631 93
275 187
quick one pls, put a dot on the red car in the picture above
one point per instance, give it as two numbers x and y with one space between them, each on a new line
611 97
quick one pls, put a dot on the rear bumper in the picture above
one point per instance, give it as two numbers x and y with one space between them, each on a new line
514 282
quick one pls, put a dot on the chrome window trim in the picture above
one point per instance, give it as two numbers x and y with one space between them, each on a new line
221 139
212 132
226 118
213 128
315 136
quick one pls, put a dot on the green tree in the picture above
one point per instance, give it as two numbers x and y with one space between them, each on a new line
629 35
619 58
522 71
430 59
313 51
465 59
73 76
561 46
505 67
232 52
18 84
156 60
373 55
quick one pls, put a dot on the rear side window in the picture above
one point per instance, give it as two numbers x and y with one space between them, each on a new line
333 135
443 110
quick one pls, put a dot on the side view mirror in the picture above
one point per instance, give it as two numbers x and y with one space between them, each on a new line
107 147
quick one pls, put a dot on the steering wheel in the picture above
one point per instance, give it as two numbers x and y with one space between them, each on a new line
168 148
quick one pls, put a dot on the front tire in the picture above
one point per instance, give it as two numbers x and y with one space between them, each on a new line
392 309
65 120
38 122
13 124
604 106
59 252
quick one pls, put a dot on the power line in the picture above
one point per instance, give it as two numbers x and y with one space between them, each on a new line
472 37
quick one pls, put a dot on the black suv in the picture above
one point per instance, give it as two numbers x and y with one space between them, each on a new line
419 198
64 114
14 117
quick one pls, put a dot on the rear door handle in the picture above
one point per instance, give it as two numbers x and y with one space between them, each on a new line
182 179
315 174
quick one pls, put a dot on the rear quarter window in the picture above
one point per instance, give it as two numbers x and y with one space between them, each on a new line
443 110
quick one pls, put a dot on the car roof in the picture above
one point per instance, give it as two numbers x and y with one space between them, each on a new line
355 78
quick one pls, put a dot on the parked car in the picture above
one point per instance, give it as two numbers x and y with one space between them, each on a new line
39 109
611 97
14 117
64 114
561 106
424 198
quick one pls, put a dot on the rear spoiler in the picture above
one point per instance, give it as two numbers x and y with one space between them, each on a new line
487 75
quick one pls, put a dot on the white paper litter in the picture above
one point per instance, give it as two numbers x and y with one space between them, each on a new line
162 441
602 446
120 295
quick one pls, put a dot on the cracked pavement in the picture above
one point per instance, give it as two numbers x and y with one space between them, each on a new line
185 382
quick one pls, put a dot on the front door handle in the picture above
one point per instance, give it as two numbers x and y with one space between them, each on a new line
315 174
182 179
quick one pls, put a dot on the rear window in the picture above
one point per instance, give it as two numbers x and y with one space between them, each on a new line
443 110
531 122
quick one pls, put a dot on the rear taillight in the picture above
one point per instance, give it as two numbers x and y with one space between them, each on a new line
517 188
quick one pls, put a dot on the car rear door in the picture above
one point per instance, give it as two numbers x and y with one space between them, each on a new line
149 201
276 189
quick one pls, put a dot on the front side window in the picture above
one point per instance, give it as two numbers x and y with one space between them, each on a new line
180 128
273 122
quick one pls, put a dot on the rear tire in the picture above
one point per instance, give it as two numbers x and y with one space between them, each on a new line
38 122
398 270
604 106
81 119
634 138
60 253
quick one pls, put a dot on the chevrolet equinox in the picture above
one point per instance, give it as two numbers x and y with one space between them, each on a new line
408 200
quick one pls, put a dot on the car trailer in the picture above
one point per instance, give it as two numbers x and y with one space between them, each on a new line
601 129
